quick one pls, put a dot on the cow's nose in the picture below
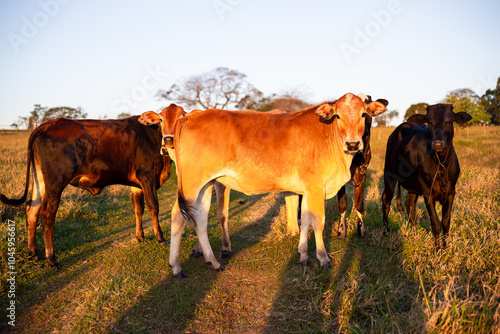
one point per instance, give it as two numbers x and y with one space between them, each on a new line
168 141
352 146
438 145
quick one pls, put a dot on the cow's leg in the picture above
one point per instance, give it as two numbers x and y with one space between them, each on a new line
138 202
411 208
292 203
151 197
399 205
178 224
200 213
48 211
223 195
446 209
435 222
389 184
342 205
359 192
33 210
313 212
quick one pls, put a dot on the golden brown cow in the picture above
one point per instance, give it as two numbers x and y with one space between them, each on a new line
307 152
166 119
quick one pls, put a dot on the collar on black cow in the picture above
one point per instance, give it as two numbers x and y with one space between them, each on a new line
441 169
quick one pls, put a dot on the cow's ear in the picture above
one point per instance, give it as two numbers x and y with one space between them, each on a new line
375 108
325 111
417 119
149 118
462 118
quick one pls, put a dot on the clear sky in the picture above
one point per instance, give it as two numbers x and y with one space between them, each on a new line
112 56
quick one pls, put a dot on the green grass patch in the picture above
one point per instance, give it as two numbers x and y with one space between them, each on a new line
383 283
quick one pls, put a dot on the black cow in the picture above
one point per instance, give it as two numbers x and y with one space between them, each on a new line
420 157
91 154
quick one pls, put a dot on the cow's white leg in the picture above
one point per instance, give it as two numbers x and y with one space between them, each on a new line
305 222
315 213
223 195
341 233
361 224
292 203
200 211
178 224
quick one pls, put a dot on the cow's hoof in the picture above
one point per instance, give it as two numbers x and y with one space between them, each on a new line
140 239
195 253
180 275
162 241
54 265
221 268
225 254
306 262
327 266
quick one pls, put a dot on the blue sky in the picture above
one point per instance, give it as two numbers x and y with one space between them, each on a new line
112 56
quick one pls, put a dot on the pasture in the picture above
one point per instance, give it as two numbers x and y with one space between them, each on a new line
383 283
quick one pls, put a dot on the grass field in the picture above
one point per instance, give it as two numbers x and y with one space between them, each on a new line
394 283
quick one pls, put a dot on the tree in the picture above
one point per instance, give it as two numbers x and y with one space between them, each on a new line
491 103
66 112
123 115
291 99
385 119
418 108
219 88
466 100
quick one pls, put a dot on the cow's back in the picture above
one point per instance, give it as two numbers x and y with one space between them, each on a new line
92 154
265 151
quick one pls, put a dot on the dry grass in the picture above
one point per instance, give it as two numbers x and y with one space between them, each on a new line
393 283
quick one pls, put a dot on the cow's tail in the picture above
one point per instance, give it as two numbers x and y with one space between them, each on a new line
29 160
184 206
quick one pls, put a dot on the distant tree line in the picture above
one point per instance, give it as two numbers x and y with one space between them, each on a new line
41 115
229 89
483 109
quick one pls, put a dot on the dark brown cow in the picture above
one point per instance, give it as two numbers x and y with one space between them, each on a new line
421 157
91 154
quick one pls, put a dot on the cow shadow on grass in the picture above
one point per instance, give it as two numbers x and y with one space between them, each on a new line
171 305
91 226
366 291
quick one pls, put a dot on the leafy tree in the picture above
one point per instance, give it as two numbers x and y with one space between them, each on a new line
219 88
124 115
491 102
385 119
292 99
66 112
466 100
418 108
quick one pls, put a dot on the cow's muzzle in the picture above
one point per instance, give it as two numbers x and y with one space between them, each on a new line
438 145
168 141
352 146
